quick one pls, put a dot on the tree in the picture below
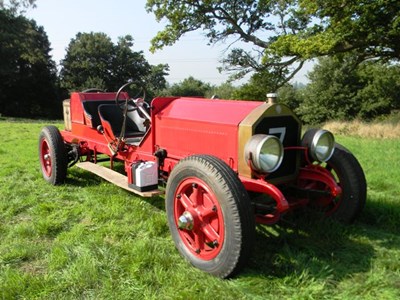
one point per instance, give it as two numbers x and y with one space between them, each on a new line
259 85
17 6
380 93
291 95
92 58
330 95
156 81
27 73
189 87
367 28
222 91
88 61
343 90
284 33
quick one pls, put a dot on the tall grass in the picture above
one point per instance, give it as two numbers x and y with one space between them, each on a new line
89 239
388 128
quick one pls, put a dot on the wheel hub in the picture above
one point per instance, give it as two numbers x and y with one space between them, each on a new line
186 221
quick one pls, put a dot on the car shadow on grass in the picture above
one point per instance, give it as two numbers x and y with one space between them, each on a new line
311 246
80 178
382 215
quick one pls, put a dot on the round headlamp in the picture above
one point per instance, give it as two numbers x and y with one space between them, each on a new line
321 144
264 153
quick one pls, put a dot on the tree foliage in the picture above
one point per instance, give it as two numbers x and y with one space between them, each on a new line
27 73
380 89
17 6
367 28
291 95
155 81
223 91
93 59
189 87
341 89
259 85
284 33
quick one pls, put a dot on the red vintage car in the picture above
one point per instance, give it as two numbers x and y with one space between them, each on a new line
227 165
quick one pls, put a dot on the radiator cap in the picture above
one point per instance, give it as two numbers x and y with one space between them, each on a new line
271 98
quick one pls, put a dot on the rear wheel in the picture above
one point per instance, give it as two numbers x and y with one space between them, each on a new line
209 215
52 155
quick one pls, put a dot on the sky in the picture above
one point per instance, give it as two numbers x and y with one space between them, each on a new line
190 56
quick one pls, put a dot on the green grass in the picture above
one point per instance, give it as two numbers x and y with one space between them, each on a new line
88 239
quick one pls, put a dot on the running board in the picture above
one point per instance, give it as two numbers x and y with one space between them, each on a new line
115 177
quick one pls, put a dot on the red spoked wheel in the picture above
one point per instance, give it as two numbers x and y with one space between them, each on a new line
345 169
199 217
45 158
209 215
52 155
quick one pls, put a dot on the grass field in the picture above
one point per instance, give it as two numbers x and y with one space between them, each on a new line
88 239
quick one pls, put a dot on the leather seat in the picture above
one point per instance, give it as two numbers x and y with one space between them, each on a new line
112 117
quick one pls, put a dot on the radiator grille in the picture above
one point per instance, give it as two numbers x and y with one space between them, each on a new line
288 130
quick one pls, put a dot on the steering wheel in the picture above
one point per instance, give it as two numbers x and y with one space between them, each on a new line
129 104
93 90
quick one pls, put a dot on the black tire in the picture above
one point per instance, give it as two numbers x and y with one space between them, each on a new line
350 175
52 155
233 216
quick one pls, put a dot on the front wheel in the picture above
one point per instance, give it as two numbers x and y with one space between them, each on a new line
349 174
209 215
52 155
